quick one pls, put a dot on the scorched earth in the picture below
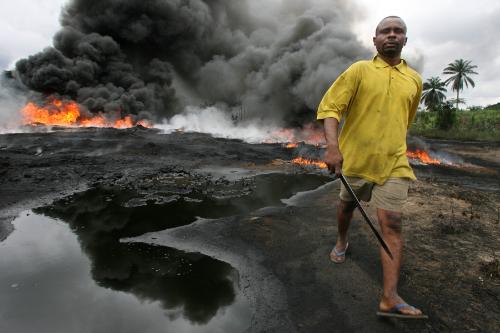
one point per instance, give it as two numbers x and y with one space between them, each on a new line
238 236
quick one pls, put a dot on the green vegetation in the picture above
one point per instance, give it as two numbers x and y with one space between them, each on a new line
445 121
493 107
446 117
474 124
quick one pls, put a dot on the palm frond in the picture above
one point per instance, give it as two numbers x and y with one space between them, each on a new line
470 81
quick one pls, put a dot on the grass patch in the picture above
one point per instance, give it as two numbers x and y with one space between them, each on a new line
481 125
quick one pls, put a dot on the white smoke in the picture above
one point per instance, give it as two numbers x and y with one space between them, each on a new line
221 124
11 101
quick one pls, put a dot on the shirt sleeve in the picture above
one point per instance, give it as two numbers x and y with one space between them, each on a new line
416 102
337 98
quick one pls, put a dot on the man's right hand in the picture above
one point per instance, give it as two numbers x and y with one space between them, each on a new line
333 159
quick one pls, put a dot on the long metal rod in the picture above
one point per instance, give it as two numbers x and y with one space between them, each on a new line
367 219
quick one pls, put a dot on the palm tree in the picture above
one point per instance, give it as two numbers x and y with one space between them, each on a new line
459 71
433 92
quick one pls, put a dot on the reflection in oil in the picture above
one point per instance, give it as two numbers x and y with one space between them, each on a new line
46 286
82 279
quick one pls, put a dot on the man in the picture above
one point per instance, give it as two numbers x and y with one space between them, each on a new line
378 100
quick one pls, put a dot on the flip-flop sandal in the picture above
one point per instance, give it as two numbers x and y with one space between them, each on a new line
338 257
395 312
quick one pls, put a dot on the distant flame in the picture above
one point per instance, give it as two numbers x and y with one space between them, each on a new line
304 161
418 154
292 145
309 134
422 156
67 113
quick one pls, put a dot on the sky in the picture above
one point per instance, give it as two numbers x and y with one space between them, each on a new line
442 31
439 32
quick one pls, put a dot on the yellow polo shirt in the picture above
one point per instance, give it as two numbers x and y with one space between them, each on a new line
378 103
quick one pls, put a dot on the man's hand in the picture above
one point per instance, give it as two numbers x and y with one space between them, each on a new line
333 159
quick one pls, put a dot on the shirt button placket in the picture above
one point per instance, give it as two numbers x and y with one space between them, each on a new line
390 81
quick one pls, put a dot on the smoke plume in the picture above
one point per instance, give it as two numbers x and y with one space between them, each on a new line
218 123
12 99
153 58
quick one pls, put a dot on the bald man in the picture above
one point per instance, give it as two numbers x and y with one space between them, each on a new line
377 99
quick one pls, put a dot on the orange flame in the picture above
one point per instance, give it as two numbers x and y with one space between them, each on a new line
51 115
309 134
292 145
422 156
67 113
304 161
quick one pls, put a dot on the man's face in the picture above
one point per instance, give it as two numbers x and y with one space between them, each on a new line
390 37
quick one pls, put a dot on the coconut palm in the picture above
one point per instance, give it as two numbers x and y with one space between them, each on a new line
433 95
459 70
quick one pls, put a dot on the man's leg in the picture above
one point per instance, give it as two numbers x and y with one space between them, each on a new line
345 208
344 217
390 224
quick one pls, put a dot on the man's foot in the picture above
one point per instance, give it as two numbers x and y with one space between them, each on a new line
337 255
398 308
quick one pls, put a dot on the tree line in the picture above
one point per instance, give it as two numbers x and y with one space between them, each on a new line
434 98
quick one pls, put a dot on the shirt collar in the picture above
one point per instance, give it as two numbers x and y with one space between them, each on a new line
380 63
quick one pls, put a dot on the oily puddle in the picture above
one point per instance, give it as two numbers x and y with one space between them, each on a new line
64 269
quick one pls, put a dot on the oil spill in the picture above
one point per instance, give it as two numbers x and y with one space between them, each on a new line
64 269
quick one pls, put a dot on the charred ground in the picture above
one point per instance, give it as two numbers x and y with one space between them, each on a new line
451 223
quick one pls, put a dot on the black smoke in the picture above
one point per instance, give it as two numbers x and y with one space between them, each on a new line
153 57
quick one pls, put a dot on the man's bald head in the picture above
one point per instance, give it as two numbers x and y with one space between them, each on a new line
387 18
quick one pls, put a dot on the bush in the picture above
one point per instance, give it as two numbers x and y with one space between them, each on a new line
446 116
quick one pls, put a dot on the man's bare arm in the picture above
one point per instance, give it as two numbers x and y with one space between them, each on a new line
333 158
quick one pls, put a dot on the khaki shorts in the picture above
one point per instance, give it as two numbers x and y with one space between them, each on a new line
392 195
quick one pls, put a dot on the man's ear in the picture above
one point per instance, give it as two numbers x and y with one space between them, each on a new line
374 41
406 39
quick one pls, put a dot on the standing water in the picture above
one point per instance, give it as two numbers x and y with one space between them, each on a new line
49 284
